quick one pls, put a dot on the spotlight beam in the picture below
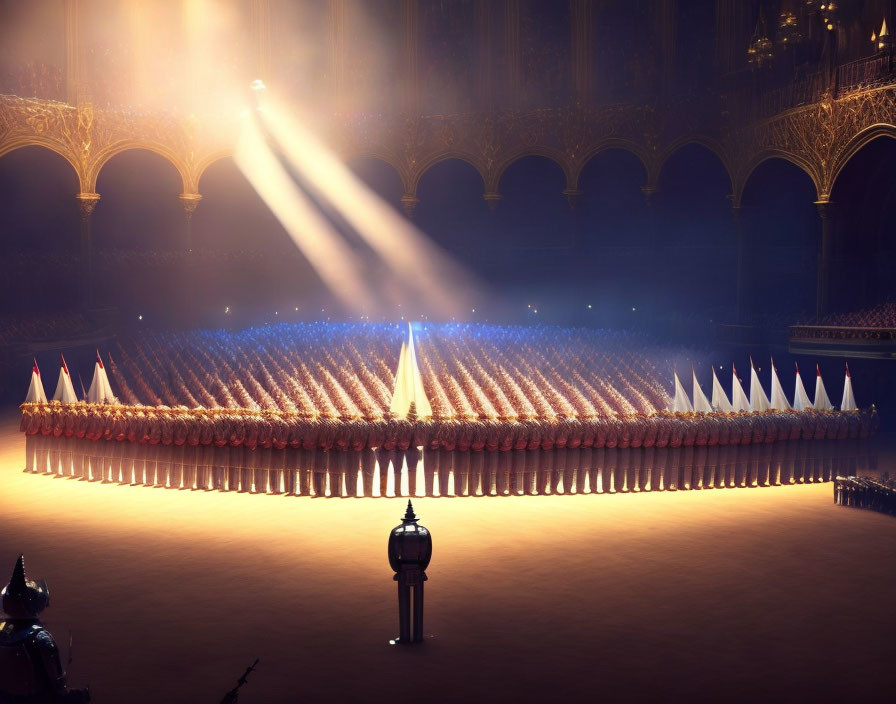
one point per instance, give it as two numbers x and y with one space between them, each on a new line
332 259
407 253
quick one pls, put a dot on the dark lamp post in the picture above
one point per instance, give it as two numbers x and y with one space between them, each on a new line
410 549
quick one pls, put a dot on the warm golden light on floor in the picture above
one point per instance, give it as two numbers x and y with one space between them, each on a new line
146 578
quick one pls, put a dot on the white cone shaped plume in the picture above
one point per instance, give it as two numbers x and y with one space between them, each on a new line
100 390
409 383
400 398
720 402
758 399
822 402
701 404
849 401
65 392
681 403
739 400
36 393
779 400
801 400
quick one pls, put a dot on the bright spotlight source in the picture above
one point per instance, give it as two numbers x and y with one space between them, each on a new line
257 84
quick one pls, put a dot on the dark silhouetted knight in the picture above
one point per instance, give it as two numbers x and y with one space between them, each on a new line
410 549
30 668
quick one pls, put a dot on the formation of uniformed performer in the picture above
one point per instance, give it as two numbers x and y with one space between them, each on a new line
877 494
349 472
181 426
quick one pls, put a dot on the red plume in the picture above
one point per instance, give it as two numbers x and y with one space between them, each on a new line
847 369
64 365
98 360
817 371
34 368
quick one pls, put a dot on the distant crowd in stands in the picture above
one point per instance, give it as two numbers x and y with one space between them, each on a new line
882 315
27 259
17 329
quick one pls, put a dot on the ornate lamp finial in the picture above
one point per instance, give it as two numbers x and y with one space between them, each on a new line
409 515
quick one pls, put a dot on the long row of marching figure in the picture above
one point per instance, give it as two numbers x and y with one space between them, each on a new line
267 429
758 401
369 473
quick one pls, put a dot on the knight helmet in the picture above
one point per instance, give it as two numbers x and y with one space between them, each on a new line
22 598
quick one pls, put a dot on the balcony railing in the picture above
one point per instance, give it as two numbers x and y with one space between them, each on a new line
869 72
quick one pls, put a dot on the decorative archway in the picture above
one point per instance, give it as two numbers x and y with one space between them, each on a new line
710 144
381 177
102 158
782 237
452 211
855 145
53 146
607 145
493 181
743 176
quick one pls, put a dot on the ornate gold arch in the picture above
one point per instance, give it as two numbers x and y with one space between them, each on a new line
819 138
711 144
176 160
50 145
857 143
494 180
199 168
744 174
470 159
609 145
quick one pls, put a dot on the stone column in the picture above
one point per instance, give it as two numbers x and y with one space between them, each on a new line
573 196
492 199
410 55
655 256
512 50
73 55
409 201
337 51
484 73
738 217
581 49
189 201
826 212
86 203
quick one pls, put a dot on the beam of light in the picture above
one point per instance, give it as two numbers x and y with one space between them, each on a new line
418 264
331 257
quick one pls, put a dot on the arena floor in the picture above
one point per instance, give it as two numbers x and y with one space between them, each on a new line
770 594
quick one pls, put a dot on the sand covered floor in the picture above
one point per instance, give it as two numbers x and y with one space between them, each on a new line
768 594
